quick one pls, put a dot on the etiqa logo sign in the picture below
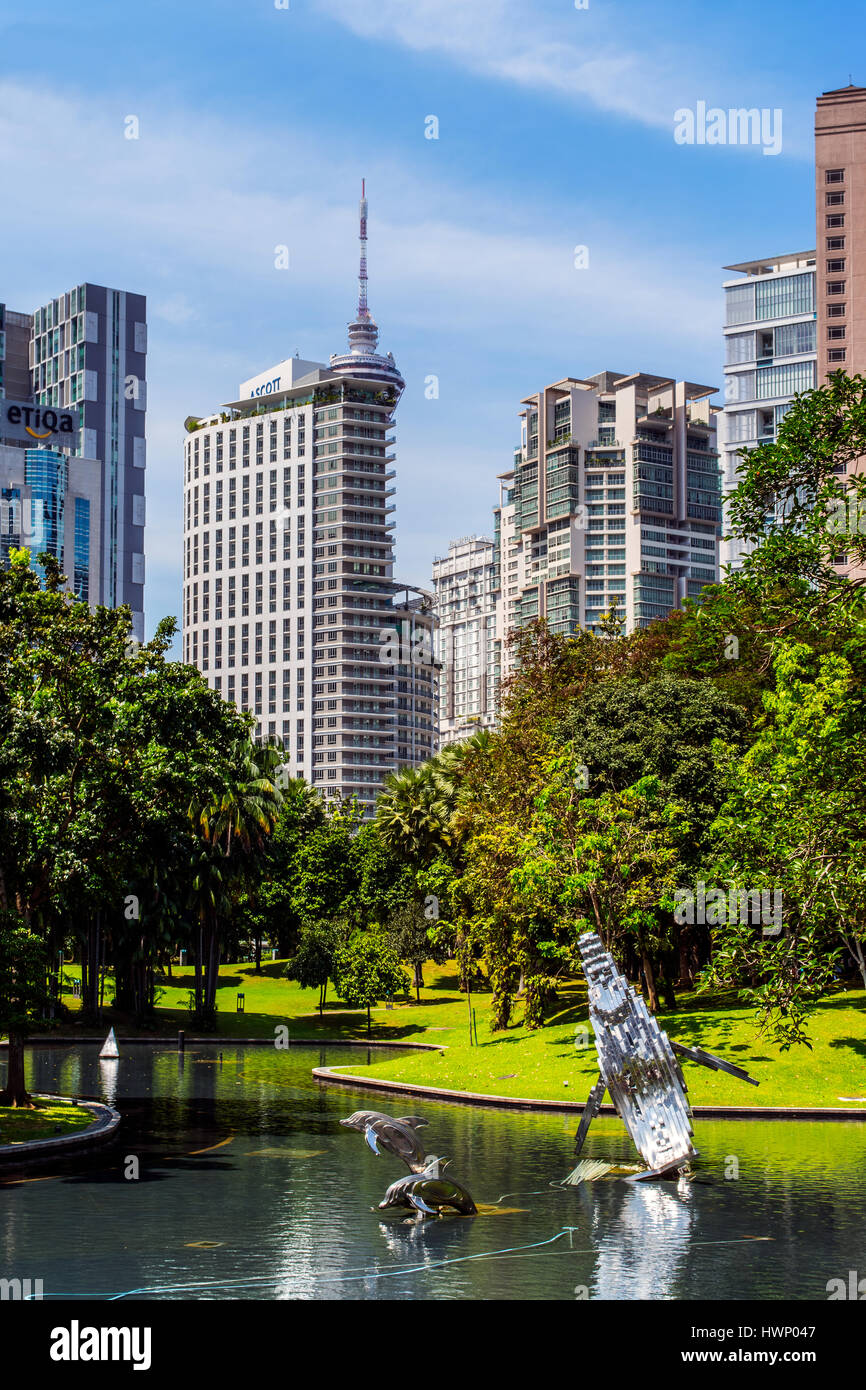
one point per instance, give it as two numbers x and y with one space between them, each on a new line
737 126
77 1343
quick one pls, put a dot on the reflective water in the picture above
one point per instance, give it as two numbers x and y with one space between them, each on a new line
249 1188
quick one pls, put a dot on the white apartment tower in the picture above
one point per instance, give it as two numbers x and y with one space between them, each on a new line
614 495
771 353
290 606
465 584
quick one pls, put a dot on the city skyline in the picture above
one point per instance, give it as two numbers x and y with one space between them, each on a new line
468 270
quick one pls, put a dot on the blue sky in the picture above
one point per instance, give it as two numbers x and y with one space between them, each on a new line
256 125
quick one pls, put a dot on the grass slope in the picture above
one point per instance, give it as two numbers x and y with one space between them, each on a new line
45 1121
536 1064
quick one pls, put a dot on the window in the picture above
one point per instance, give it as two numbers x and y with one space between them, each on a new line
835 219
836 287
740 304
740 386
835 311
783 295
835 267
835 176
794 338
834 200
785 380
739 347
834 334
741 425
835 243
836 355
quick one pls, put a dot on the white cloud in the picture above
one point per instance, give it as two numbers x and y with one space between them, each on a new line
619 59
562 52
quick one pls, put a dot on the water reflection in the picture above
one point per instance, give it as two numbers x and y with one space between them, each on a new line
248 1188
108 1068
643 1239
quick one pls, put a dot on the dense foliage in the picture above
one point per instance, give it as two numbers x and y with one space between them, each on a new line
649 787
693 792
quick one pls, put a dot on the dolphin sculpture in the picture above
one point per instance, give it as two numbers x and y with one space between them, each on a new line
396 1136
429 1192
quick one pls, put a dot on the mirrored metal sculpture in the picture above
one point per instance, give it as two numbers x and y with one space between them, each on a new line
429 1192
425 1189
638 1066
396 1136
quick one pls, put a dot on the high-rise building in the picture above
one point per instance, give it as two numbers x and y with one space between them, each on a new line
290 606
840 183
465 585
770 354
840 186
51 500
86 352
614 495
14 354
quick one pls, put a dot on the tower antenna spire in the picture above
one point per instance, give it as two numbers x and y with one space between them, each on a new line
363 356
363 311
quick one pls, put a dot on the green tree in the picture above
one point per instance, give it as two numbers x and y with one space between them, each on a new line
412 813
233 822
23 994
314 962
408 932
367 970
103 744
620 731
795 822
606 863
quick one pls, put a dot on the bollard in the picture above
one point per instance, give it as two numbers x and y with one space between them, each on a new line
180 1040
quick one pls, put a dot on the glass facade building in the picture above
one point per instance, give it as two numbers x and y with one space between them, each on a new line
46 475
81 569
88 351
771 352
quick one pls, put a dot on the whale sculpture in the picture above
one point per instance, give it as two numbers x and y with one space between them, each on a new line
638 1065
429 1192
396 1136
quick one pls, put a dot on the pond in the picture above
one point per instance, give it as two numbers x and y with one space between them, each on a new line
248 1188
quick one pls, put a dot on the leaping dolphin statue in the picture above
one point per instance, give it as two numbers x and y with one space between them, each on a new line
397 1136
429 1192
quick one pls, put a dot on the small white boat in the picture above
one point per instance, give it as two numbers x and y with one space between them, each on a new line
109 1047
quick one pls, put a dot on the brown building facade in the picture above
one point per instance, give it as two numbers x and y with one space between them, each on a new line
840 177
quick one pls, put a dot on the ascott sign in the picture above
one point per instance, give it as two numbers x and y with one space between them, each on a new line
39 424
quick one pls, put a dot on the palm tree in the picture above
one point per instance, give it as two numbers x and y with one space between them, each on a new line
233 826
245 814
413 813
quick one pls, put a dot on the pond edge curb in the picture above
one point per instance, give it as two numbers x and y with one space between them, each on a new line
103 1128
705 1112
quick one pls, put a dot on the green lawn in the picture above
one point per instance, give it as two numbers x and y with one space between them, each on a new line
45 1121
544 1064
